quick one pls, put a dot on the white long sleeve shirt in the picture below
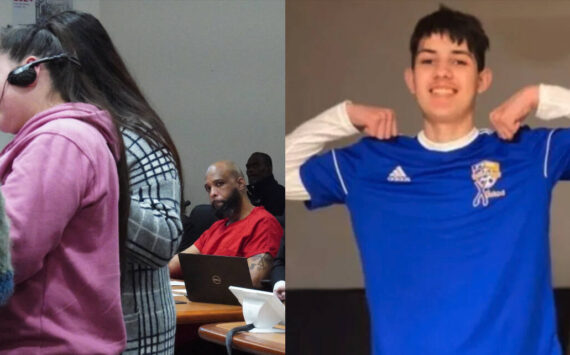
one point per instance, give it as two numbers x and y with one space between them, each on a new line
310 137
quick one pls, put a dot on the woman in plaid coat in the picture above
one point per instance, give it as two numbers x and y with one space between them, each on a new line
155 180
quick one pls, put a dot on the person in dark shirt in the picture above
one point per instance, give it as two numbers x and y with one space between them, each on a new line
278 272
263 189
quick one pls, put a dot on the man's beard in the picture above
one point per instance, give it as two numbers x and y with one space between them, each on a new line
230 206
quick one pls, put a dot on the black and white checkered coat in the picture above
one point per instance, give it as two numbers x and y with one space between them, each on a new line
154 232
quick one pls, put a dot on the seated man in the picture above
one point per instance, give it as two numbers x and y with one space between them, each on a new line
263 189
244 230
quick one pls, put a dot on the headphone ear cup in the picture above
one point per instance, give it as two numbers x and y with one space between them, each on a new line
22 76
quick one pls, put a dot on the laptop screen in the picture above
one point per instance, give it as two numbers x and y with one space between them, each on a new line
208 277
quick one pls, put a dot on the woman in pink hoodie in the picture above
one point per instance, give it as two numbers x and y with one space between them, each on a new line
155 184
61 188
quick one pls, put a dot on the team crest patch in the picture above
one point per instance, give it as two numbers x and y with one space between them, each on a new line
485 175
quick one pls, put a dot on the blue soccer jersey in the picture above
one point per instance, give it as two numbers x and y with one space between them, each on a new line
454 245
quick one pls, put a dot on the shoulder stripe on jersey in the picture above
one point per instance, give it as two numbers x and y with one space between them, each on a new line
338 173
547 153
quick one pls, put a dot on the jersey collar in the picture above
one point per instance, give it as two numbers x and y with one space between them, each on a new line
448 146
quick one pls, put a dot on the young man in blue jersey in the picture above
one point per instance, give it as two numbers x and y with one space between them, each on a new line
451 225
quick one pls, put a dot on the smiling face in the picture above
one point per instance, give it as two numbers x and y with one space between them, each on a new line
445 79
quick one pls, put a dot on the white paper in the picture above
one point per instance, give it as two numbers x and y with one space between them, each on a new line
23 12
179 292
265 330
46 8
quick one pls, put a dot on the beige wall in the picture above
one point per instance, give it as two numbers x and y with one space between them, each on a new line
214 71
358 50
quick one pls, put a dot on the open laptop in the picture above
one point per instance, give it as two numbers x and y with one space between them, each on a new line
208 277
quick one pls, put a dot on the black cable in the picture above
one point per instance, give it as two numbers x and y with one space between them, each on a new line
230 335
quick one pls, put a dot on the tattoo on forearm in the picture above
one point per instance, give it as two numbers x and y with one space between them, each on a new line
260 262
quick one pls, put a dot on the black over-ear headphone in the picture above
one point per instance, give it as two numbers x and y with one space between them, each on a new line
25 75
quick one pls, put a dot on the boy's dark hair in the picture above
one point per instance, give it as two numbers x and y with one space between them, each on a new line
458 26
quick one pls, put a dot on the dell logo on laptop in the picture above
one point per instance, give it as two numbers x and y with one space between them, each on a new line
216 279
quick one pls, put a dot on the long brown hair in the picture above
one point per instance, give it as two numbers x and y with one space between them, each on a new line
86 38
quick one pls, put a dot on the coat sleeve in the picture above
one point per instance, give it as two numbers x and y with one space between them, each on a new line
155 228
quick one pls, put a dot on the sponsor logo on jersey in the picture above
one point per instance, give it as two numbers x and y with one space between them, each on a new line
398 175
485 175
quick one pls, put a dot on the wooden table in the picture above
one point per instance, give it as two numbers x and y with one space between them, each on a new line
200 313
255 343
190 315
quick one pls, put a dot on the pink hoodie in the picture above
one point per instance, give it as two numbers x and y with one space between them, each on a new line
60 183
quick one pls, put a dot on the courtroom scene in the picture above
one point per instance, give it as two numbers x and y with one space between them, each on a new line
142 199
426 158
